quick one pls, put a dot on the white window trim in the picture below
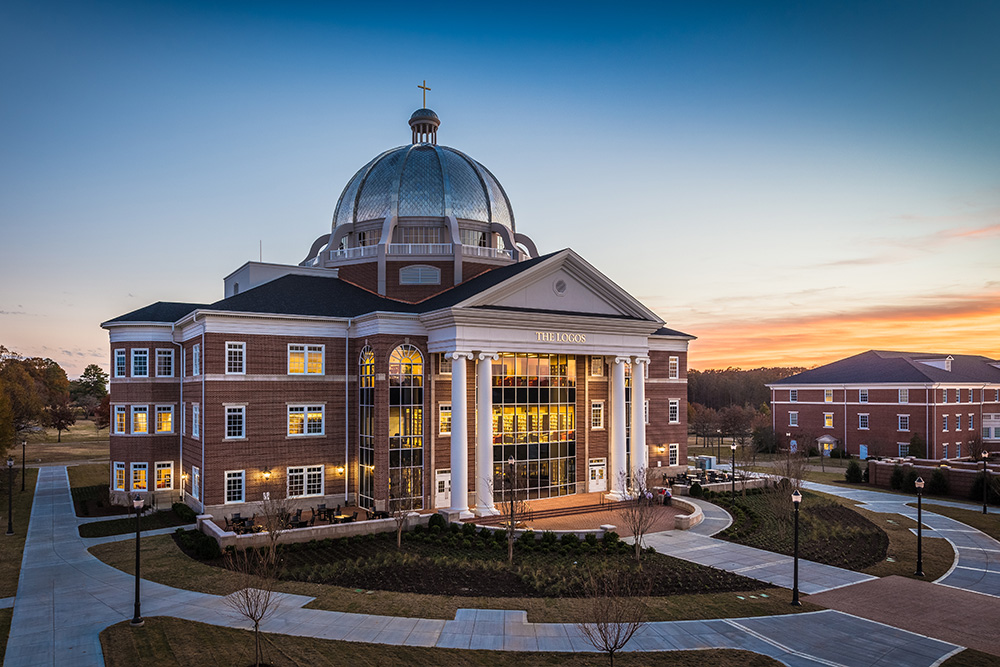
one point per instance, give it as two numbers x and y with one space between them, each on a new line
793 395
119 466
122 355
136 350
157 355
306 408
828 395
119 410
599 405
196 359
596 363
243 487
674 368
944 423
827 415
899 423
305 358
867 420
184 370
442 408
163 465
156 414
673 454
132 413
196 482
196 420
958 422
132 469
793 418
243 357
674 404
903 396
306 471
862 395
225 424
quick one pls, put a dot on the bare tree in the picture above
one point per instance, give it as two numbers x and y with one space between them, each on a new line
258 569
638 510
617 609
400 510
513 504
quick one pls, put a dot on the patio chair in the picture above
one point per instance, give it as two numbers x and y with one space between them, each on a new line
229 524
354 517
236 517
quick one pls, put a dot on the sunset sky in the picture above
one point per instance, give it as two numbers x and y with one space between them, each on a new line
790 182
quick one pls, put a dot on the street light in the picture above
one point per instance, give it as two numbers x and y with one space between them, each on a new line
920 558
733 471
137 616
986 487
23 443
796 499
718 444
510 490
10 495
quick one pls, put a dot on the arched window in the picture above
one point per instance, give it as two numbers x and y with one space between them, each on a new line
406 428
419 274
236 289
366 428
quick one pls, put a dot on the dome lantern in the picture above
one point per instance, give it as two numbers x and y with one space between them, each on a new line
424 124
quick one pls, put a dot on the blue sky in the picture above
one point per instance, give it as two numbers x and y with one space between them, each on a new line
791 182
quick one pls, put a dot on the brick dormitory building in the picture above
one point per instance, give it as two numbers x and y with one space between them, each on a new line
872 404
419 346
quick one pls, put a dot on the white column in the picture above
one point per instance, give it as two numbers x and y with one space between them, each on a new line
484 434
459 437
618 471
637 442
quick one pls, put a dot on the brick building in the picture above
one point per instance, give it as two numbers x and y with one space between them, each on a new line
873 403
419 346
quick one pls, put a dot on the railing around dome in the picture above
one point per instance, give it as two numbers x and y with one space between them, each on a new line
490 253
418 249
354 253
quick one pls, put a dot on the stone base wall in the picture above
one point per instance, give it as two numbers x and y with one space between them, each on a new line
961 475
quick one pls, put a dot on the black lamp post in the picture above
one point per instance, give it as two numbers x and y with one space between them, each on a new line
137 616
986 487
718 444
733 471
23 443
920 557
10 495
510 488
796 499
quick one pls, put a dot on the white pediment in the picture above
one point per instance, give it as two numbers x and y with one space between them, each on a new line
563 283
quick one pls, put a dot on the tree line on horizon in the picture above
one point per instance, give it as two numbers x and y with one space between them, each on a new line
35 392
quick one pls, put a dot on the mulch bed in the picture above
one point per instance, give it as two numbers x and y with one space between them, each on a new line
829 533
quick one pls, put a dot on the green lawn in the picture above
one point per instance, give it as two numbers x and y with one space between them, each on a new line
12 548
988 523
5 617
149 521
169 642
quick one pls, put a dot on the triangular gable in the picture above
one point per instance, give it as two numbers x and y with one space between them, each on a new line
565 283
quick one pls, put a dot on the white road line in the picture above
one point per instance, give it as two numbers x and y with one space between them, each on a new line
782 647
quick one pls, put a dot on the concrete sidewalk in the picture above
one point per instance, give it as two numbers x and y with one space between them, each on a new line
66 597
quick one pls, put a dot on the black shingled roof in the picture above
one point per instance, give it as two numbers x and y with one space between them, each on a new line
877 366
161 311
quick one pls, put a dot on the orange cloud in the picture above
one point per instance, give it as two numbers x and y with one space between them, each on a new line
958 326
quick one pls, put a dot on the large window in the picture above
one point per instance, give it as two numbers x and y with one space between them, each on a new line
236 358
139 477
958 422
406 427
903 422
444 419
672 450
793 395
119 480
862 395
793 418
444 363
904 395
827 420
140 363
235 491
140 419
366 427
305 481
534 421
597 414
674 411
419 274
120 363
195 420
305 420
828 395
120 426
164 419
164 363
863 421
196 482
164 475
305 359
196 359
597 367
236 421
673 367
944 422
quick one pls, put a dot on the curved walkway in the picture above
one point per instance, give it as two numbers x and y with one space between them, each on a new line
977 566
66 597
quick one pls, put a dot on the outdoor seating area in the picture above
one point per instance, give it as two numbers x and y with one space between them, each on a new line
300 518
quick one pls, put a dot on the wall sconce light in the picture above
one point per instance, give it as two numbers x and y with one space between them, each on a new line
661 449
340 470
267 473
